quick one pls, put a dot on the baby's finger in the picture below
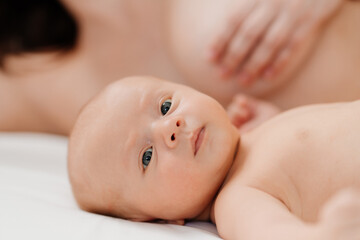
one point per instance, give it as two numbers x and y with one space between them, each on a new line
218 46
242 100
239 116
276 37
245 39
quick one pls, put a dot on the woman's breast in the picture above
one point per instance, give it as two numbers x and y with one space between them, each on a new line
314 74
193 25
331 72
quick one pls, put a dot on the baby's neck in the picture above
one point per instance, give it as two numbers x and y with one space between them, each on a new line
238 160
208 213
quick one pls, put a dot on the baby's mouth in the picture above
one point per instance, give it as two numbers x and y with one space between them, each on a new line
197 139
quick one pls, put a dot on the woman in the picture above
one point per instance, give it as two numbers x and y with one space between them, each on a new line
44 90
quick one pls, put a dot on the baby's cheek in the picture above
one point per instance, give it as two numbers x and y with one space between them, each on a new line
175 172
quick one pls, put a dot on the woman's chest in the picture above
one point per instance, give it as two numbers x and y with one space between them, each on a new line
323 69
330 72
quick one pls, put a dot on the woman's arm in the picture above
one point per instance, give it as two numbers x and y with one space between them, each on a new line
16 111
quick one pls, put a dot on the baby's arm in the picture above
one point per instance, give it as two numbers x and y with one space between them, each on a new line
249 213
246 112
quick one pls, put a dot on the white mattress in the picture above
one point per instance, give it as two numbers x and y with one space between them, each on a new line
36 200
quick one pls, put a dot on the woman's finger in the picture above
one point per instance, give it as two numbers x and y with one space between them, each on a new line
310 19
218 46
246 38
275 38
286 53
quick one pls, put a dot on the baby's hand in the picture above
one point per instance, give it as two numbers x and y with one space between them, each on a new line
261 36
240 110
247 113
340 217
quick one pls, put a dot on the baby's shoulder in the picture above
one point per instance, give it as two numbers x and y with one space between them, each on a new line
284 148
307 119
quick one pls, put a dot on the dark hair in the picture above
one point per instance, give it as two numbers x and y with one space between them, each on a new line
35 25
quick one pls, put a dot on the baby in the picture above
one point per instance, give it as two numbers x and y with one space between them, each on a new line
146 149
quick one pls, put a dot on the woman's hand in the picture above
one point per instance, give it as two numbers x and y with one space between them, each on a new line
246 112
261 36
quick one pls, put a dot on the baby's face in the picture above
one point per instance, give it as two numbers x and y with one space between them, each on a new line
154 148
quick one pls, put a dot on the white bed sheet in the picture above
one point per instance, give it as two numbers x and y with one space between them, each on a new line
36 200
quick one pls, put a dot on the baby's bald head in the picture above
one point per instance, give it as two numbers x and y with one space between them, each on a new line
91 152
135 152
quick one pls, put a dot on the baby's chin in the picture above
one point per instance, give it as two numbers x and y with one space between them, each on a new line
234 142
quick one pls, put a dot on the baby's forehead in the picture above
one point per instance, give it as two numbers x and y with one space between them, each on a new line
116 111
121 105
135 83
132 92
130 89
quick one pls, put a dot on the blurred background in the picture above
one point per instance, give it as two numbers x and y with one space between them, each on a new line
36 25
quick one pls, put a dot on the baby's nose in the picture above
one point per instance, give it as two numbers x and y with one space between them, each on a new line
170 130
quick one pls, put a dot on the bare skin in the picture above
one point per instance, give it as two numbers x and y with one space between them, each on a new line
289 168
313 75
280 177
45 91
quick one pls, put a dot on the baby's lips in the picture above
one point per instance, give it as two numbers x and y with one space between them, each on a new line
193 138
199 140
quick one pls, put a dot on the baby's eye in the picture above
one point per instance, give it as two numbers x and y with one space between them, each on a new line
147 157
165 107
